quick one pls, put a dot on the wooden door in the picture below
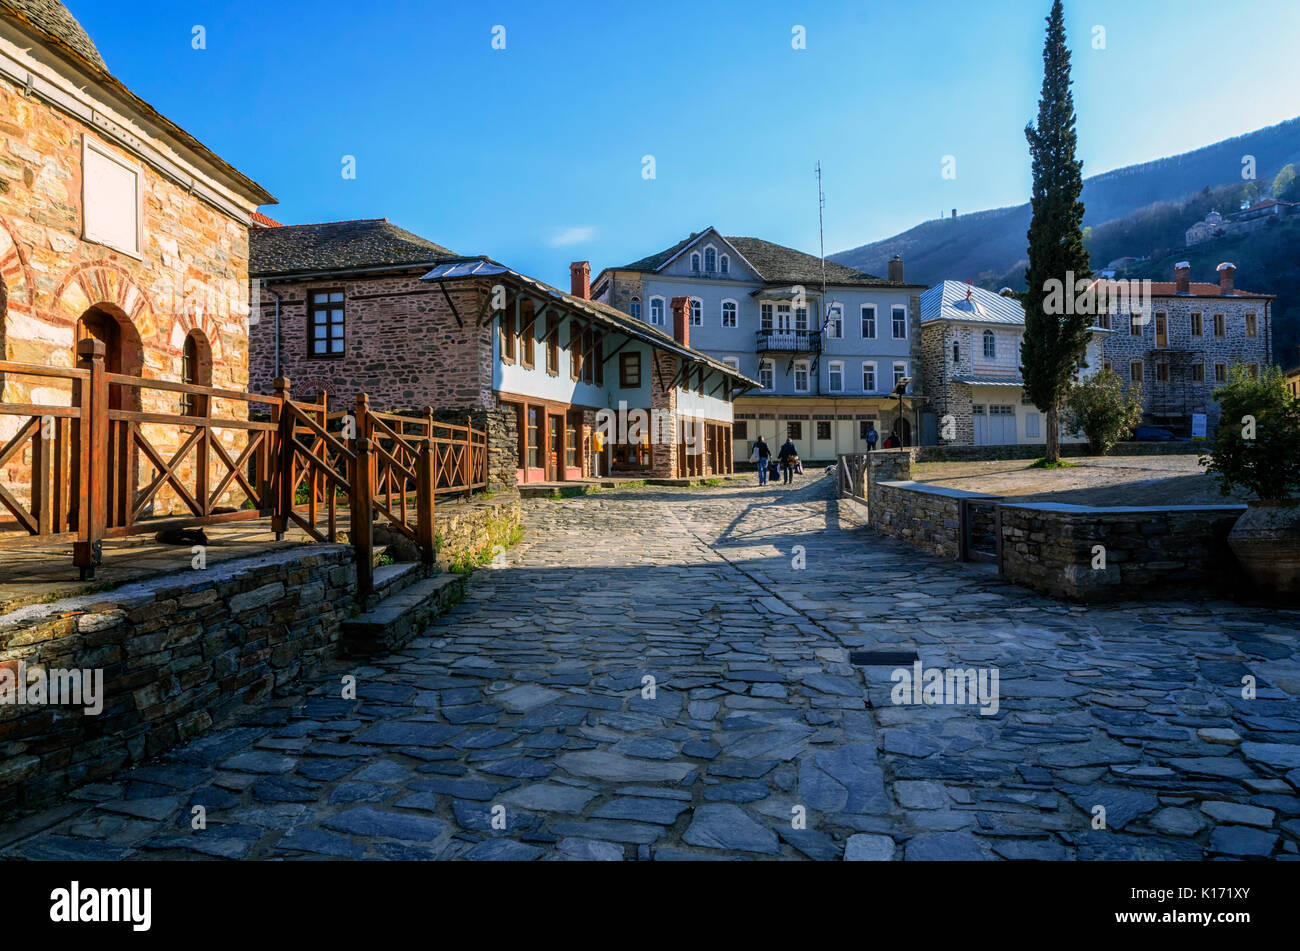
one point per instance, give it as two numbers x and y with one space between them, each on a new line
555 449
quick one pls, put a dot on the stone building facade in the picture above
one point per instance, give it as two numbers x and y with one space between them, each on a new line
1184 348
115 224
346 308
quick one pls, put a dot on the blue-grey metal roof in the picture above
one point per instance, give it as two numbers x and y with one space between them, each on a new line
955 300
988 381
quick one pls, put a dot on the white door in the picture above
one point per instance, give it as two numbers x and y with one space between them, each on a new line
981 426
1002 425
784 320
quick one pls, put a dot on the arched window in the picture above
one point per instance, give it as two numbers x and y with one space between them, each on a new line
728 313
636 307
196 369
724 266
956 352
990 345
657 311
696 312
710 259
695 261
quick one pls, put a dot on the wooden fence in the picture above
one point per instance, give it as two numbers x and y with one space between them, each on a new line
72 470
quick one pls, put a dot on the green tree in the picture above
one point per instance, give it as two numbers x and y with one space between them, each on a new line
1055 337
1257 446
1284 180
1099 409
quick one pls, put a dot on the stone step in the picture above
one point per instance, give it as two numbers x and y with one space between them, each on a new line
390 579
396 620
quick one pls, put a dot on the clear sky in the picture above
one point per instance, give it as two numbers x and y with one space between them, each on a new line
533 154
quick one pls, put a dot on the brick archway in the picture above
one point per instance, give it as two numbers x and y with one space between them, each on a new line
110 287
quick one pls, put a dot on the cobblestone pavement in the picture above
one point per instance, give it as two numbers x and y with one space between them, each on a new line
527 707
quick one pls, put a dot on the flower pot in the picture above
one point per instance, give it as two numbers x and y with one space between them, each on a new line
1266 540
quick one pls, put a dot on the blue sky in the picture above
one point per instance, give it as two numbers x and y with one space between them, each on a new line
533 154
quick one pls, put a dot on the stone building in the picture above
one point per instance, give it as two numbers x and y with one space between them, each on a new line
970 351
827 362
366 307
1182 350
117 225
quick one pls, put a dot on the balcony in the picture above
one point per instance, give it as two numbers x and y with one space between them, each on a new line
795 341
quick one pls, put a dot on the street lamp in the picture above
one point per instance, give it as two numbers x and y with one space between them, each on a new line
899 390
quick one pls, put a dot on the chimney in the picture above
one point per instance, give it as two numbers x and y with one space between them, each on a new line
896 269
1227 279
1183 274
682 320
580 279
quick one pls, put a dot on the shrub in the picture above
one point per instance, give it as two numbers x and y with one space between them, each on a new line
1257 446
1098 408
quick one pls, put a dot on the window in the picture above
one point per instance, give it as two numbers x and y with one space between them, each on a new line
1162 331
990 346
1220 325
868 321
900 371
710 260
1162 372
196 369
733 362
865 426
598 358
576 354
1135 325
695 261
509 337
1031 426
1251 329
835 322
1198 372
1254 371
1197 329
740 428
801 376
728 313
552 346
868 378
724 266
1106 366
534 437
766 374
697 312
325 322
794 429
765 318
900 323
571 443
588 356
1135 371
1103 320
836 371
657 311
801 320
629 370
1221 373
823 429
528 341
111 199
956 352
635 308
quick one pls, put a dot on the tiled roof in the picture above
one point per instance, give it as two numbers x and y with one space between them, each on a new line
1199 289
337 246
56 21
948 301
266 221
774 263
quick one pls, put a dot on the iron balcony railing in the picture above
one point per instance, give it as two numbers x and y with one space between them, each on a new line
798 341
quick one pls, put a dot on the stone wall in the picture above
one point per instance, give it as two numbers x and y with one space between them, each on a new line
927 517
471 532
1149 553
178 654
987 453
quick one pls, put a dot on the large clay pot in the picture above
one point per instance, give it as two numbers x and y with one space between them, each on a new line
1266 540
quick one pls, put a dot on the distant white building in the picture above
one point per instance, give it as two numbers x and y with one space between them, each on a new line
970 356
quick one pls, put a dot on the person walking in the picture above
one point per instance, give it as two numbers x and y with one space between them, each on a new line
872 438
762 454
789 457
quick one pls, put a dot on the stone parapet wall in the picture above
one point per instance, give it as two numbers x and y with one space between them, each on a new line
177 654
1180 551
925 516
992 453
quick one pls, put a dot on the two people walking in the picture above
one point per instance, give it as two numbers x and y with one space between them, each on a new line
787 459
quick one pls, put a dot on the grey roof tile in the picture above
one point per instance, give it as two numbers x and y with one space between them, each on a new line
338 246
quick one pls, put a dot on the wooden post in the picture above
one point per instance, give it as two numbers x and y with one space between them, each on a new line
361 530
425 481
363 426
468 461
92 511
281 490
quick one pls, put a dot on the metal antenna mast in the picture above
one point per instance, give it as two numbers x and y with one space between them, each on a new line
821 227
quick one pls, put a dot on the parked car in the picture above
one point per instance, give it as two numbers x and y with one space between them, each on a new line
1156 434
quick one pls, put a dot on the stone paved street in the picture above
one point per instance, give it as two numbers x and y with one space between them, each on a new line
519 727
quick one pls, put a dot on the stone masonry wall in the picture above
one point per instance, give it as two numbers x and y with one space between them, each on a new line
178 654
1149 553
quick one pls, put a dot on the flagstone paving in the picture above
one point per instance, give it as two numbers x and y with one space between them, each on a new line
664 674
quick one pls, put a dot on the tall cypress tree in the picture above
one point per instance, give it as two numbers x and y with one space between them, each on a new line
1055 339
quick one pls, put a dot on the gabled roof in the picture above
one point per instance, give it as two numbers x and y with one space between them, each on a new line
338 246
774 263
948 301
56 21
1195 289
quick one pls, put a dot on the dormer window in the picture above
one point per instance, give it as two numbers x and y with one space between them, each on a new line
695 262
724 265
635 308
710 260
990 346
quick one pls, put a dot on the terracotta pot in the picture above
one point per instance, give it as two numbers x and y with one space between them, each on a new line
1266 540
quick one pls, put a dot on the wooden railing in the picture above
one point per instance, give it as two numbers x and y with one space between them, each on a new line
72 470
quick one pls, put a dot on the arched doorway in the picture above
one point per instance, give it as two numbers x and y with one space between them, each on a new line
123 354
903 430
196 368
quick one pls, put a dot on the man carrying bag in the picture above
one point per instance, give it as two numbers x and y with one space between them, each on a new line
761 454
